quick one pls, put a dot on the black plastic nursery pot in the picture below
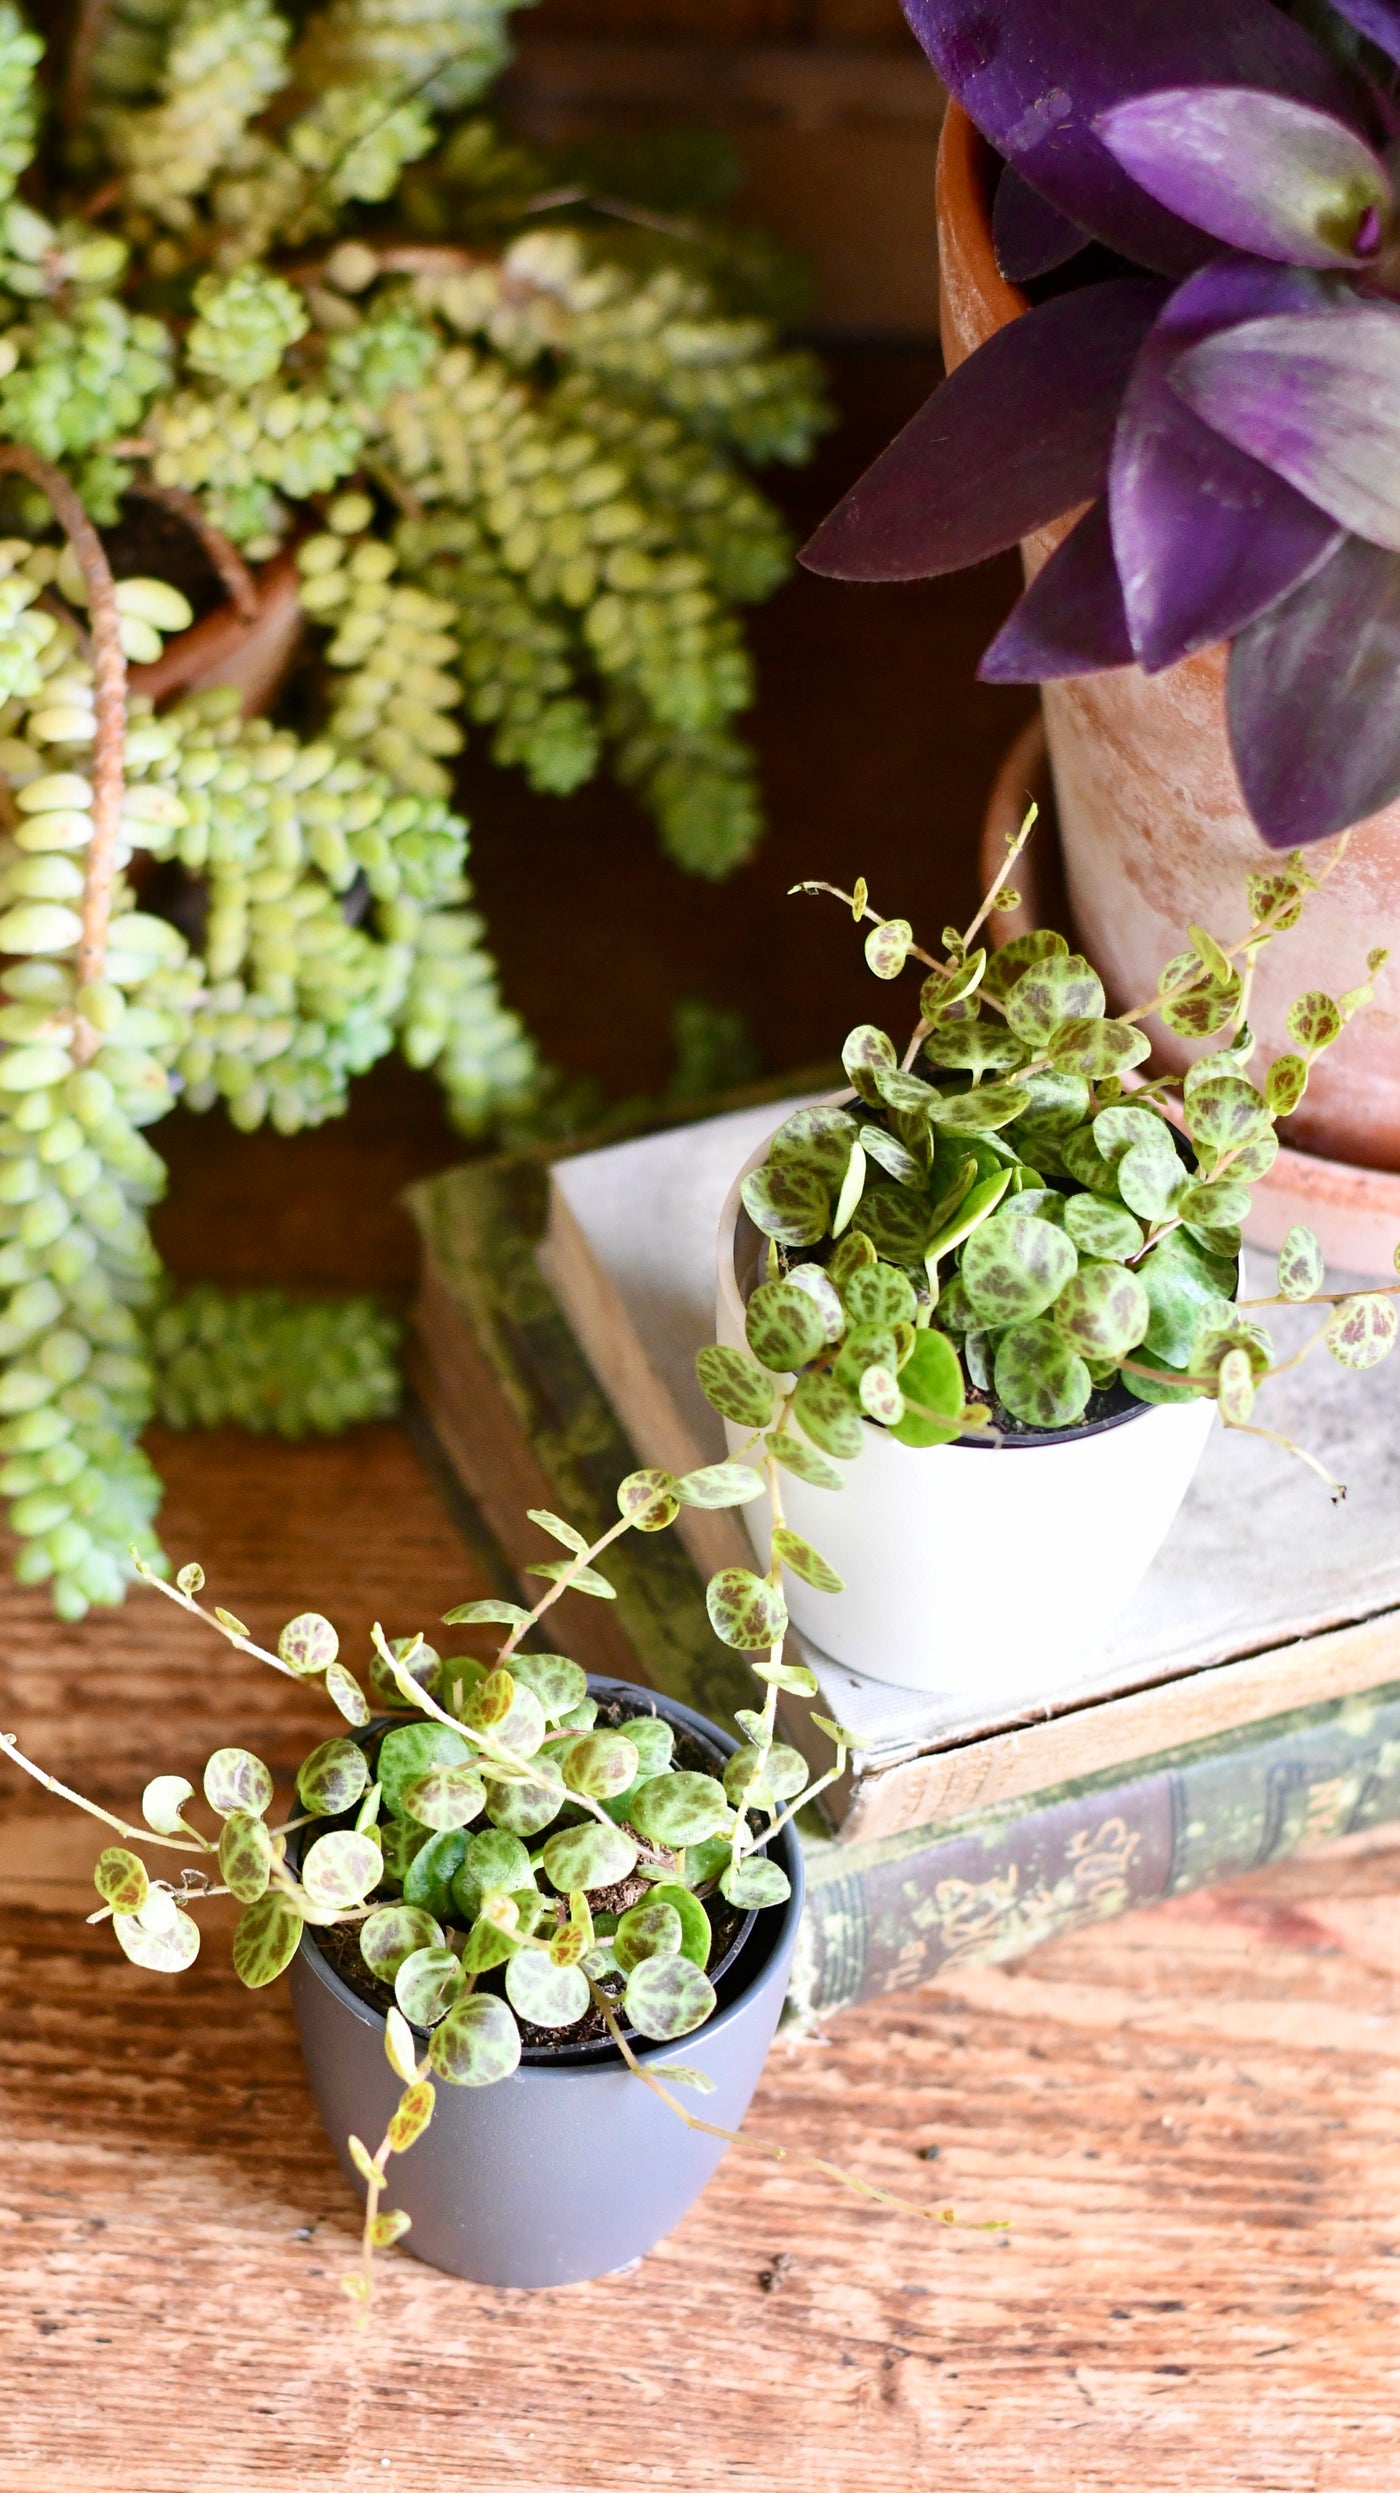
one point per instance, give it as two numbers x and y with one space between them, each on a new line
572 2167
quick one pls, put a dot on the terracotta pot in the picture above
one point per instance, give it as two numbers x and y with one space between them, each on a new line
1354 1212
224 649
1154 828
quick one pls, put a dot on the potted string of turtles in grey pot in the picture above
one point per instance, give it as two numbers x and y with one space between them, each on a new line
1002 1269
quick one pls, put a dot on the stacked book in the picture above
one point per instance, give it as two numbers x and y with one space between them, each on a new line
1248 1702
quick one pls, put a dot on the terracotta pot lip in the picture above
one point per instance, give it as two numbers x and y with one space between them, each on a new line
217 635
1311 1173
963 202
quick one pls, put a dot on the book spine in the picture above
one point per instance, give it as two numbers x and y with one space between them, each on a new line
888 1916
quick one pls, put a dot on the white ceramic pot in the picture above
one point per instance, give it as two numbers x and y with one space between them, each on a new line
972 1570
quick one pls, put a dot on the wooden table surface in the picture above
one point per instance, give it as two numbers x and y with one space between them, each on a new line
1192 2116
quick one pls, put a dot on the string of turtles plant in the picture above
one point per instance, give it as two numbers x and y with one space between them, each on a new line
581 1889
1021 1233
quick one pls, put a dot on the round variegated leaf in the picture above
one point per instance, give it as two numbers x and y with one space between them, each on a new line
804 1560
429 1876
546 1994
393 1933
879 1294
1314 1021
308 1644
818 1284
1234 1388
1014 1267
720 1484
1008 963
332 1778
236 1779
1103 1229
972 1047
1039 1378
667 1996
784 1326
346 1695
1118 1128
788 1201
162 1801
399 2048
734 1384
755 1883
191 1578
414 2112
784 1771
522 1809
891 1155
931 1383
1051 992
675 1810
1151 1180
246 1855
653 1739
120 1879
477 2044
493 1863
1103 1311
167 1950
1300 1266
983 1111
339 1869
887 947
426 1984
1097 1048
867 1053
829 1414
406 1755
880 1397
803 1460
696 1934
266 1940
589 1856
1362 1330
819 1138
1186 1287
645 1930
601 1764
502 1705
745 1610
648 1499
446 1796
1226 1112
1285 1083
554 1679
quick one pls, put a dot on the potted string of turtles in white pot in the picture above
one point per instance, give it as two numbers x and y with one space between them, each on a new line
991 1293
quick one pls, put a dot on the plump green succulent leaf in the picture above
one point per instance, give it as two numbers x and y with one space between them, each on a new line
649 1500
676 1810
1234 1388
1119 1128
399 2048
308 1644
338 1870
546 1994
521 1809
650 1929
1015 1266
477 2044
817 1138
266 1939
429 1876
426 1984
895 1221
1362 1330
1097 1048
803 1460
745 1611
788 1201
1102 1229
393 1933
1186 1288
558 1683
493 1861
601 1764
1314 1021
829 1414
1218 1205
720 1484
245 1856
979 1047
975 1205
667 1996
755 1883
821 1289
401 1841
804 1560
1010 961
236 1779
1225 1113
880 1397
696 1935
867 1053
1301 1271
653 1739
408 1754
931 1381
1103 1312
1040 1378
119 1875
443 1797
408 2122
879 1294
983 1111
346 1695
1285 1083
887 947
163 1801
734 1384
332 1778
589 1856
784 1326
891 1155
1050 993
1151 1180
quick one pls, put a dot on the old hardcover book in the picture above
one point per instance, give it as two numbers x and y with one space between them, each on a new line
1267 1599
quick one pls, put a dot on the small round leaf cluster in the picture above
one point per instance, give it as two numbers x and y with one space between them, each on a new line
259 1360
243 327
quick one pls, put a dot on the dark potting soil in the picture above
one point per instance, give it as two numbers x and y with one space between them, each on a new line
340 1945
149 542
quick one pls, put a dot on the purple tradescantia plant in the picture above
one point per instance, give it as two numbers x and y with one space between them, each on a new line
1225 401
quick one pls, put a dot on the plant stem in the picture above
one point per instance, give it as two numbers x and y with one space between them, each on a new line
138 1834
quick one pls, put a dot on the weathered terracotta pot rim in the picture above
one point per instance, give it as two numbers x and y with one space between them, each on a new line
220 637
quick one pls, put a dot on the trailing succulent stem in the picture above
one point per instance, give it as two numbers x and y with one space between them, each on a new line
593 1882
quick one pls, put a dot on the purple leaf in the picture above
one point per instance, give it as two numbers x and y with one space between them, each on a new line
1071 619
1379 19
1205 537
1035 75
1314 700
1018 435
1316 396
1030 236
1258 171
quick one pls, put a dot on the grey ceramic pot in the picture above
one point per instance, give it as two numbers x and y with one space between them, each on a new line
560 2172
